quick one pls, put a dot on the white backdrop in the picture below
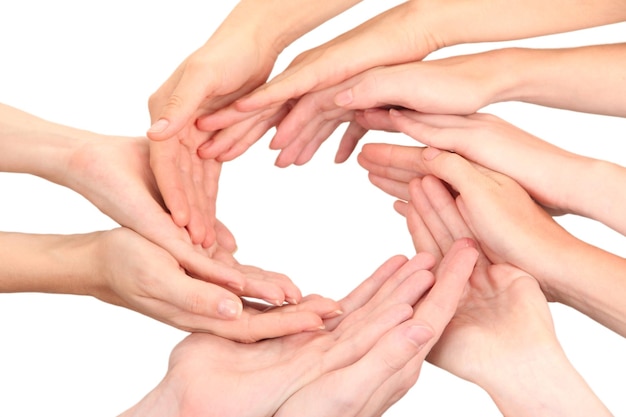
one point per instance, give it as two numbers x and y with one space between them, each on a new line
93 65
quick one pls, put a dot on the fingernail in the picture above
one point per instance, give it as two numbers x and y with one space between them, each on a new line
430 153
419 335
333 314
159 126
344 98
292 301
229 309
235 286
394 113
316 328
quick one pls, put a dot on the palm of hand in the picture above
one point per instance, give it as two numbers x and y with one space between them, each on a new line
203 365
116 178
501 313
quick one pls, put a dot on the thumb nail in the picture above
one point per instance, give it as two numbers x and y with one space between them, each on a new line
419 335
159 126
430 153
344 98
229 309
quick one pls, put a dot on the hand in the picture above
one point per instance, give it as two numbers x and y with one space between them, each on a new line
512 228
225 68
406 39
491 142
130 271
457 85
256 379
393 365
502 326
113 174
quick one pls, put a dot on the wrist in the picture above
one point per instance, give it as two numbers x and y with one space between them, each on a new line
603 199
541 383
275 24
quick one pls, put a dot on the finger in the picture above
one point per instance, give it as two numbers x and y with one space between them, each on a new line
375 119
211 171
415 271
445 205
200 298
396 189
351 137
441 131
379 87
224 139
252 136
459 173
202 267
441 236
225 237
303 116
366 290
191 178
309 150
422 238
389 172
192 88
268 325
292 145
163 161
451 276
406 158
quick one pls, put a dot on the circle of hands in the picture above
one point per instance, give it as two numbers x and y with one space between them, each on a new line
472 300
462 302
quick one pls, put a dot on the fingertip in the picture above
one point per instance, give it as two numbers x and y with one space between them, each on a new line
344 98
180 216
158 128
430 153
230 308
249 103
419 335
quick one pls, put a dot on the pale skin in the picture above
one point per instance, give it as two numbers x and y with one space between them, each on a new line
501 337
587 79
114 174
236 59
569 270
412 30
111 266
257 379
561 181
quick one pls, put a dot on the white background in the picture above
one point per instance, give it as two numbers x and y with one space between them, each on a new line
93 65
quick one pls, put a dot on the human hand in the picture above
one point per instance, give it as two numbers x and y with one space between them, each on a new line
493 143
456 85
256 379
222 70
113 174
130 271
502 326
407 38
393 365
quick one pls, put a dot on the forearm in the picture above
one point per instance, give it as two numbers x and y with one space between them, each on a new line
587 79
542 384
46 263
604 199
277 23
585 278
462 21
35 146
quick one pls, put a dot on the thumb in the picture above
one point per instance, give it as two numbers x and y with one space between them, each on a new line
452 168
179 107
